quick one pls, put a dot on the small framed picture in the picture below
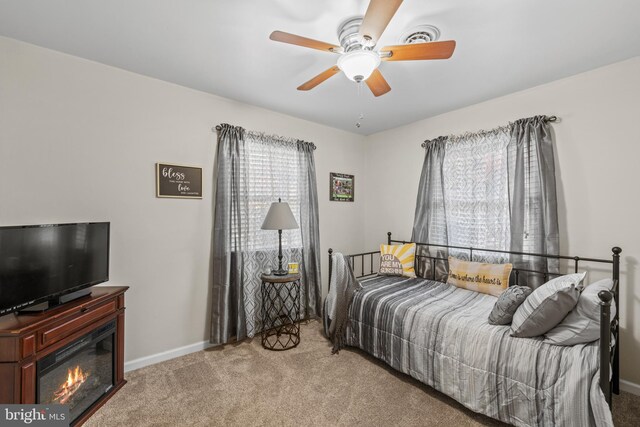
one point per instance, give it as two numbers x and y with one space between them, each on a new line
179 182
341 187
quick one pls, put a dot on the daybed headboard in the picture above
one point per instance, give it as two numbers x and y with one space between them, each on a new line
608 352
367 268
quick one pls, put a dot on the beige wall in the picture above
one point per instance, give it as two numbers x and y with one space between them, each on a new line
598 177
79 141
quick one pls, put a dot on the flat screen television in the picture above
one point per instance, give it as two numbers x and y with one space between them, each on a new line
43 263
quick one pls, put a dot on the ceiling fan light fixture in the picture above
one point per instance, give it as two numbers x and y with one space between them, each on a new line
358 37
359 64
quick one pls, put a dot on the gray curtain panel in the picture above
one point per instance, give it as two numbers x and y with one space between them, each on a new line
430 224
534 206
492 189
310 231
254 170
227 310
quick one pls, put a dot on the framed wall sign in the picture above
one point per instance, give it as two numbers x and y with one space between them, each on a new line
341 187
181 182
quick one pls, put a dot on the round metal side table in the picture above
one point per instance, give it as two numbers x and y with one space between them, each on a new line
280 311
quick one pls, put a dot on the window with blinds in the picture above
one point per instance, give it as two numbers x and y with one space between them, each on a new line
271 171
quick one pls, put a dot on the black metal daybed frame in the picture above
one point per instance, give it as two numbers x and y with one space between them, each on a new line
609 353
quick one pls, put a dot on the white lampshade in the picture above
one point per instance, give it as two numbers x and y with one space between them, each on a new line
359 64
279 217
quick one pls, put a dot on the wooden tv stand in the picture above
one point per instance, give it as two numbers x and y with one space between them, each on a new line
27 338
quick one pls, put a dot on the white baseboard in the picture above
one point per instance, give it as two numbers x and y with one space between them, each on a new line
630 387
165 355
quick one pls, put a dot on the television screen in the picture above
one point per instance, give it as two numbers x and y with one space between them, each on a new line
40 263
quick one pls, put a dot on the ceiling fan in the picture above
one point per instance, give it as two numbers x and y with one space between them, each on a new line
358 37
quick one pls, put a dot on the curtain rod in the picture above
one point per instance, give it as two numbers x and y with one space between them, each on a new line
546 119
218 128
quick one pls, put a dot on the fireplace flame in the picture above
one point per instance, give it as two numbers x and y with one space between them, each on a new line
75 378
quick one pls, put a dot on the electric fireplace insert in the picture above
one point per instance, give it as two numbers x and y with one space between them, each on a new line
80 373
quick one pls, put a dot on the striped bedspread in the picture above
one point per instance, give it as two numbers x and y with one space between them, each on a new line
439 334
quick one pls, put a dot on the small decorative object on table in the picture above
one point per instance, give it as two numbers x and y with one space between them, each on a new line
279 218
294 268
341 187
280 311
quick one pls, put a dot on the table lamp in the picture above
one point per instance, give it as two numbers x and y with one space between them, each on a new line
279 218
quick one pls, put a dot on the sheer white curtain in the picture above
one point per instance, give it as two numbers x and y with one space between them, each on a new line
476 193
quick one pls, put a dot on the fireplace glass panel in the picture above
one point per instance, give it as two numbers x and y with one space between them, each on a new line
80 373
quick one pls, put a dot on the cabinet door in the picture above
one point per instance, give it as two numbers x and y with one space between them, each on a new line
9 386
28 374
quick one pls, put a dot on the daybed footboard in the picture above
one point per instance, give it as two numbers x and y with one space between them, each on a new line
363 266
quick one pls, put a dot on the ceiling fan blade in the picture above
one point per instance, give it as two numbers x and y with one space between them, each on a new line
283 37
378 15
319 78
377 83
418 51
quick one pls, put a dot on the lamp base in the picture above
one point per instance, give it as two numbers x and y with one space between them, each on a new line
280 272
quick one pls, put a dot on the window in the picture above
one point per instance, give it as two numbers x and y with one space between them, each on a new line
492 190
253 171
272 171
476 194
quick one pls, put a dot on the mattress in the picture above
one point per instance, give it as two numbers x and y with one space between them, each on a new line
440 335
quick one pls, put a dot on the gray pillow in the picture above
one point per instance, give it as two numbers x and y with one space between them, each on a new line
507 304
582 325
546 306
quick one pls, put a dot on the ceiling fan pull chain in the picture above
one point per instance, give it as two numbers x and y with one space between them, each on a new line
359 99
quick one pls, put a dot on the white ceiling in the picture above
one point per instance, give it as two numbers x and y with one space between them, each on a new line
223 47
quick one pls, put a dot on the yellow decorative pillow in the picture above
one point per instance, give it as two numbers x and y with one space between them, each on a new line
492 279
397 260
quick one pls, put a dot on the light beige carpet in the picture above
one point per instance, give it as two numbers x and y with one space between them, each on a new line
245 385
